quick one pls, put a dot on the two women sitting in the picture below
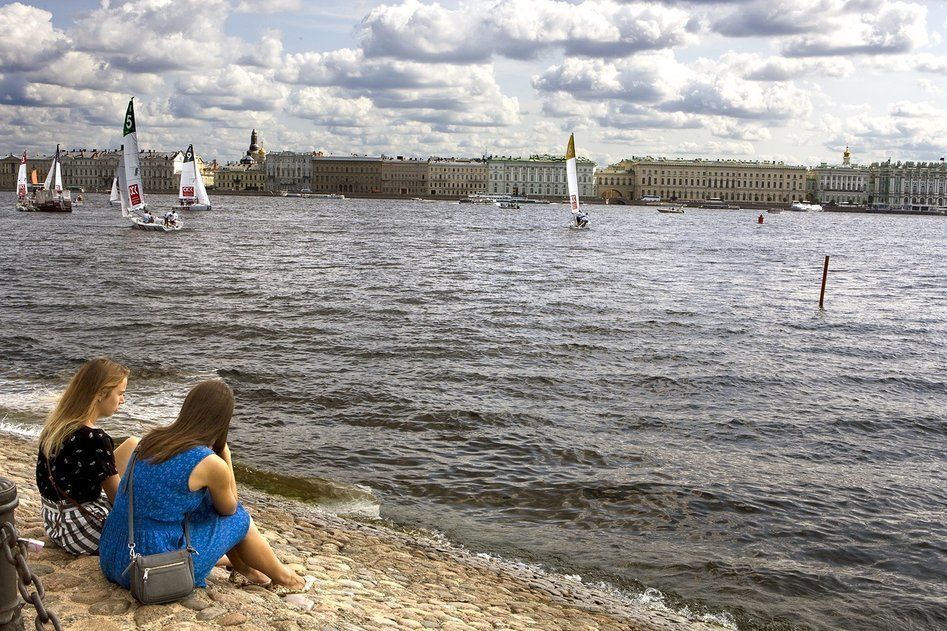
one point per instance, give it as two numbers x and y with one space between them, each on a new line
181 470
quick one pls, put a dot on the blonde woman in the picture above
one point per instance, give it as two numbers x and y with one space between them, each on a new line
77 466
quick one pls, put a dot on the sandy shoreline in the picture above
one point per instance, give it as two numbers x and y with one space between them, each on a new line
369 577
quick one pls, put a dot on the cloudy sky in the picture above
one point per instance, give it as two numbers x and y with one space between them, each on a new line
793 80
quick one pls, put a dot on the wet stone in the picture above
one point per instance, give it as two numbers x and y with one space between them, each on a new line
91 596
210 613
231 619
111 607
58 581
149 614
197 601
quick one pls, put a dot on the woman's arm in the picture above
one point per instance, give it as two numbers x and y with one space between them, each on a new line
233 476
216 475
122 455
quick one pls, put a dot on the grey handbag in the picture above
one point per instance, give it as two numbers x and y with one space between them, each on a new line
157 578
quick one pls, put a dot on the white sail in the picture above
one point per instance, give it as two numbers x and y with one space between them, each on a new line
21 183
202 197
186 188
122 189
114 196
133 190
571 176
191 189
54 177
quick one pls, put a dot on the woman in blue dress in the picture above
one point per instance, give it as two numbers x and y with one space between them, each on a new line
185 469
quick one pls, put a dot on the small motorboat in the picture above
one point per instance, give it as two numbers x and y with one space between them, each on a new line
677 210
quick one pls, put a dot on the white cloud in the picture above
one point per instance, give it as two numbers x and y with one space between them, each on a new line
893 27
325 106
156 35
441 94
267 54
234 88
644 78
29 38
930 87
267 6
519 29
774 68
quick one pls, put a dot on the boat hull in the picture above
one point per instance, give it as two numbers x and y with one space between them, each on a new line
154 227
192 207
54 207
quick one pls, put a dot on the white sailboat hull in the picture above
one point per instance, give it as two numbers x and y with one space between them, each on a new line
138 224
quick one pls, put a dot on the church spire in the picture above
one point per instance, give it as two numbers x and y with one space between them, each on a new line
254 147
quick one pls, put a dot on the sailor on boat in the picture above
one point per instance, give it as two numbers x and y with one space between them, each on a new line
147 217
581 220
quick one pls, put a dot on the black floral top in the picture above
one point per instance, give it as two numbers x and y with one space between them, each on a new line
83 461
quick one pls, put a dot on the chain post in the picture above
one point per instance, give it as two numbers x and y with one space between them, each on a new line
15 574
10 603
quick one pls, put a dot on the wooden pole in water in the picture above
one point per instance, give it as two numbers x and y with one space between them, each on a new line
825 273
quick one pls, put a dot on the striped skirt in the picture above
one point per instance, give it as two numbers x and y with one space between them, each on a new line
69 528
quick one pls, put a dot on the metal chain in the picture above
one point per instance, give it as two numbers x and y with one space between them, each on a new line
9 541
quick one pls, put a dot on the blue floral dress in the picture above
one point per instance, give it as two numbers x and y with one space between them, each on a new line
162 499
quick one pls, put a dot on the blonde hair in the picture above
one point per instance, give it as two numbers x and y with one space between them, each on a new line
77 405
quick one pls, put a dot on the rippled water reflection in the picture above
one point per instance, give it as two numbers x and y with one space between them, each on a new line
655 402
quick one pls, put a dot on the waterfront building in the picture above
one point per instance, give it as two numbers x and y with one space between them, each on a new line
450 177
159 170
907 185
359 175
538 176
401 176
288 171
10 166
240 177
698 180
249 174
92 171
845 184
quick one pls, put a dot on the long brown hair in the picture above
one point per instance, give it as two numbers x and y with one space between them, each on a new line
77 405
204 419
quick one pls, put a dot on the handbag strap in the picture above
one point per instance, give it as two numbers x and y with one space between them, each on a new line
130 489
82 509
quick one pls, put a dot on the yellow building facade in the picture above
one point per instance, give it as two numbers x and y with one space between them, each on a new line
700 180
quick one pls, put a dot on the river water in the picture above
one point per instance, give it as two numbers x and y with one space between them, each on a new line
657 402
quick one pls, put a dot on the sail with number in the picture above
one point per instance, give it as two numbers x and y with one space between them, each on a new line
21 184
192 193
133 189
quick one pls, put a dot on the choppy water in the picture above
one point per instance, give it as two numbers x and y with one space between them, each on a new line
657 402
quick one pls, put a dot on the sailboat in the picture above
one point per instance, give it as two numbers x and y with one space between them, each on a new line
52 198
191 192
114 196
131 195
23 201
581 219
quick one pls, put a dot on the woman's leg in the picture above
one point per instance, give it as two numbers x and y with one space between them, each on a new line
235 561
255 551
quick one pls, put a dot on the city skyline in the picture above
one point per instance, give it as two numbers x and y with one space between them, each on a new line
731 79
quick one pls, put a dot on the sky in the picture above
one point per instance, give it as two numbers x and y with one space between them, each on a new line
788 80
